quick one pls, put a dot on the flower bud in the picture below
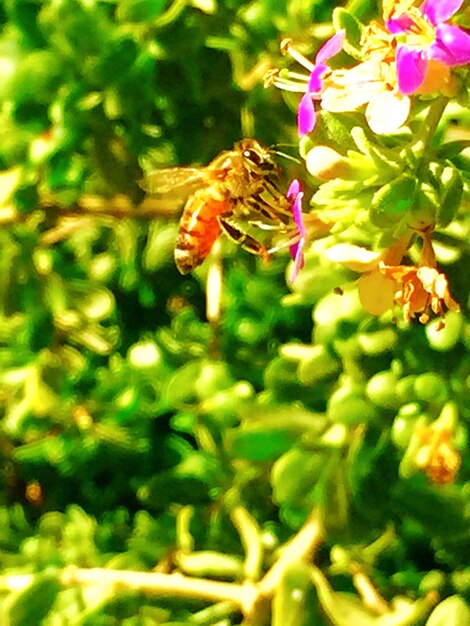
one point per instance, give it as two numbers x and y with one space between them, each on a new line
325 163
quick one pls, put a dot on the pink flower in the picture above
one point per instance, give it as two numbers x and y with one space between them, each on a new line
310 85
306 115
427 38
296 249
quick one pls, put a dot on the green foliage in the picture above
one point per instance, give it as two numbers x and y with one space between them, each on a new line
143 446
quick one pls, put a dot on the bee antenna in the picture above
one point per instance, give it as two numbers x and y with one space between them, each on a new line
281 145
289 157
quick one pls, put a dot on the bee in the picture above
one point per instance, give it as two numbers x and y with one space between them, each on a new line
236 194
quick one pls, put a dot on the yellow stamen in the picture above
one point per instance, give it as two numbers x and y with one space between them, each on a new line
286 48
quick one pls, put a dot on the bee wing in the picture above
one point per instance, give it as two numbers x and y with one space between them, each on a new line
179 182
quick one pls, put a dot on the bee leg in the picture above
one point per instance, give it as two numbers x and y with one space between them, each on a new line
242 238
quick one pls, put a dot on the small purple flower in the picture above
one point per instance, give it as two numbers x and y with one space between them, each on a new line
430 38
295 194
306 115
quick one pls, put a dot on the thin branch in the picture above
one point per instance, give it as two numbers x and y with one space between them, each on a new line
247 597
250 535
91 206
368 592
300 548
118 206
242 596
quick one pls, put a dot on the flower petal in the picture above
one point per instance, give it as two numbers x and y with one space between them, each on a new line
376 292
294 189
315 80
438 11
355 258
306 116
411 69
296 250
398 25
451 46
296 194
297 254
331 47
346 90
338 99
387 112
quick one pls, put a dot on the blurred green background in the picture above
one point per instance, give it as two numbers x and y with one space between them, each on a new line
132 427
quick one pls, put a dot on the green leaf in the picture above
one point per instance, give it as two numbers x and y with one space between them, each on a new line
381 390
319 364
37 77
387 161
197 380
258 443
335 130
349 406
393 201
117 59
452 149
95 304
295 602
294 474
140 10
26 198
452 611
159 248
75 30
210 564
343 19
23 14
450 186
363 9
343 609
31 605
170 487
445 339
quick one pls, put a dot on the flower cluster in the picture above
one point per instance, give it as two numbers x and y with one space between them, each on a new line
408 55
437 456
419 290
410 52
432 448
424 36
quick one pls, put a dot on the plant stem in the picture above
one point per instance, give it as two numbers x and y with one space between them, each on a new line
250 535
300 548
429 126
245 597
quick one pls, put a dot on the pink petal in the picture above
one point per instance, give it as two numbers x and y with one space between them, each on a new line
306 116
315 80
297 212
294 189
451 46
411 69
398 25
439 11
331 47
297 254
296 250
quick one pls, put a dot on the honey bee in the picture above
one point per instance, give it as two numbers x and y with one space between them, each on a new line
237 194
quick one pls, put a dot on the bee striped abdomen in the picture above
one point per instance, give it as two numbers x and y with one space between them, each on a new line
198 230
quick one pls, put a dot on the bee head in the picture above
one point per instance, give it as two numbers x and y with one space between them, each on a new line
256 157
